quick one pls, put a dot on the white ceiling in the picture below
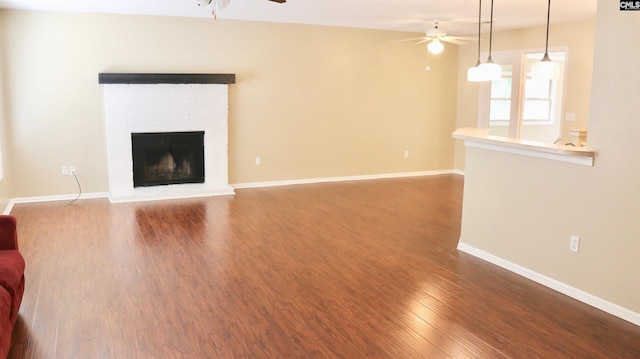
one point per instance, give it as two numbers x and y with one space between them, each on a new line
457 16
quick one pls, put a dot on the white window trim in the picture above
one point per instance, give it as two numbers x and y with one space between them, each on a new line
484 97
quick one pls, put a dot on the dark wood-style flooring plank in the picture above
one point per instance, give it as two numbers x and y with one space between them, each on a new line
365 269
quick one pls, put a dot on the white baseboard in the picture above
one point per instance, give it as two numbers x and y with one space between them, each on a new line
71 197
458 172
62 197
341 179
575 293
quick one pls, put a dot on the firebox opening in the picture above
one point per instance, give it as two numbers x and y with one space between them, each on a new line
164 158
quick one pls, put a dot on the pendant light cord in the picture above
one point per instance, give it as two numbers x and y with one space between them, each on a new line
479 29
546 46
491 33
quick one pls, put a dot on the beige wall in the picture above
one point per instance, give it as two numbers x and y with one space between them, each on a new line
311 101
5 144
577 36
525 209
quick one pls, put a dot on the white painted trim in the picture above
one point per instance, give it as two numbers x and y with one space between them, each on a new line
62 197
554 284
340 179
480 138
458 172
578 160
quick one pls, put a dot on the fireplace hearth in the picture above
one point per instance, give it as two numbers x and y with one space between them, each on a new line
164 158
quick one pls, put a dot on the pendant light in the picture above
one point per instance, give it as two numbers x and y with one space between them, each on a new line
545 69
474 73
489 70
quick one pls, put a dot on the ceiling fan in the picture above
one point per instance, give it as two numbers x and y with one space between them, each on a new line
221 4
435 37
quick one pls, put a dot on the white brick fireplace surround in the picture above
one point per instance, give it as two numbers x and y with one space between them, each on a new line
166 103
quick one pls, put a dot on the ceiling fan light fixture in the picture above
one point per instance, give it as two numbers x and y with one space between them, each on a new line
435 46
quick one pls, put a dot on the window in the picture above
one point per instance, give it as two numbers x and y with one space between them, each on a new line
518 106
537 102
500 106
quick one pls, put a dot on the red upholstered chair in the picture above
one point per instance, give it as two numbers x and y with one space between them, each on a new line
11 281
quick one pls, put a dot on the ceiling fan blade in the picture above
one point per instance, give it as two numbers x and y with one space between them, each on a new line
422 41
453 41
463 38
279 1
423 38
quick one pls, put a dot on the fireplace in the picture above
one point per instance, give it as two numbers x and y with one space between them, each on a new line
151 104
163 158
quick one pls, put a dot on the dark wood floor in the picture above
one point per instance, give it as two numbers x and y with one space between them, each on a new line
364 269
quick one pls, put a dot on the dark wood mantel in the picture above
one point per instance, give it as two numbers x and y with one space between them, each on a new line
150 79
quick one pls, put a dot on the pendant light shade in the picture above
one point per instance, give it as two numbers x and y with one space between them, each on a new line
490 71
474 73
435 46
546 69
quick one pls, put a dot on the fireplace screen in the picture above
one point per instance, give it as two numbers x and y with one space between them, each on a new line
167 158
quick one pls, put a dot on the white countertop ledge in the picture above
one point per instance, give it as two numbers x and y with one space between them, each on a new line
480 138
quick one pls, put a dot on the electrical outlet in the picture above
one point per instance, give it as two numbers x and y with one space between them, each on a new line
258 161
406 153
64 171
574 244
72 170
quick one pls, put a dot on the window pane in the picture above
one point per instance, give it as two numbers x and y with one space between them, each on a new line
500 110
501 88
500 105
537 88
536 110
